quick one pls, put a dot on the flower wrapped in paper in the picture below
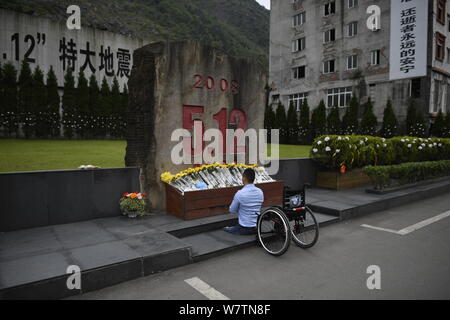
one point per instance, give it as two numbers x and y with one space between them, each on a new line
213 176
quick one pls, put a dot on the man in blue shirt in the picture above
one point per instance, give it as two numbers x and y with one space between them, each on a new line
247 203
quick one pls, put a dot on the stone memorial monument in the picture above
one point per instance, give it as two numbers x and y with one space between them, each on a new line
186 85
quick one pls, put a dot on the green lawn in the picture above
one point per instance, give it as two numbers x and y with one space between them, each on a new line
37 155
290 151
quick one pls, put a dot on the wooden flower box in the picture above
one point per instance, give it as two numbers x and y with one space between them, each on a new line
341 181
205 203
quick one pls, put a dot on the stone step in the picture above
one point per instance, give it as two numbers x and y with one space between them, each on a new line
214 243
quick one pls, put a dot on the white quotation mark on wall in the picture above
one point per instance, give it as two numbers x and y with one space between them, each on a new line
374 281
74 280
74 20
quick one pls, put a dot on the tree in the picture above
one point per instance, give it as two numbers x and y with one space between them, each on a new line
39 103
446 131
292 125
269 121
369 122
390 123
94 100
25 100
280 122
53 104
123 112
69 105
350 124
305 124
438 128
116 105
319 120
9 100
415 124
104 109
82 105
334 124
2 108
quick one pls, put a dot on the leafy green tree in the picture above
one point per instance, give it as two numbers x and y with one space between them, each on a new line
350 124
305 124
53 105
446 131
369 122
292 125
25 100
82 106
39 103
269 121
390 122
104 109
116 106
334 124
281 122
319 120
69 104
9 100
94 100
438 128
415 123
2 108
123 112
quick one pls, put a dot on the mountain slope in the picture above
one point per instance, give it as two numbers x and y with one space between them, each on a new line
240 27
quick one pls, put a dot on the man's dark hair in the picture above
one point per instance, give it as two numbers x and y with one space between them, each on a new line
249 174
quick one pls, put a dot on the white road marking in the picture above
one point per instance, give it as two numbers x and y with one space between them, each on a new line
414 227
205 289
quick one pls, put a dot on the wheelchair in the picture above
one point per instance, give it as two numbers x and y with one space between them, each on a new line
294 220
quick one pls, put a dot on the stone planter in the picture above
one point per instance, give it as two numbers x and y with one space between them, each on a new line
341 181
206 203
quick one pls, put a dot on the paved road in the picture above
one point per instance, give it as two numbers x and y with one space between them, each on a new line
413 266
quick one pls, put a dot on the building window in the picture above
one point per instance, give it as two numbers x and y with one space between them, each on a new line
329 36
352 62
299 72
298 45
352 28
415 88
299 19
440 46
375 57
330 8
297 100
441 11
339 97
352 3
329 66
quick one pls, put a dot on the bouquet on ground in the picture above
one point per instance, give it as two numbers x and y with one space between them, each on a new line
133 204
213 176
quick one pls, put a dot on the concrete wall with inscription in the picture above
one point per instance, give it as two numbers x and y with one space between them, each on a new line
48 43
172 84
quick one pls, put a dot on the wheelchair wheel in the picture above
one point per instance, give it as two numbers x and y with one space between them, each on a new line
305 229
274 231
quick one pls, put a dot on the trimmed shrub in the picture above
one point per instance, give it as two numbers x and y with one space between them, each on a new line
415 123
280 122
69 105
39 103
438 128
25 100
359 151
53 101
10 119
319 120
292 125
304 124
405 173
334 125
350 123
390 123
369 122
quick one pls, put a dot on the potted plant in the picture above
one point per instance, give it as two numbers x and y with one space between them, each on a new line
132 205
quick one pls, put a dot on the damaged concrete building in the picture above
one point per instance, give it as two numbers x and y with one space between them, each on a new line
329 50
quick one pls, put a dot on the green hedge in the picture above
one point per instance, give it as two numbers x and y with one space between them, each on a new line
333 152
382 176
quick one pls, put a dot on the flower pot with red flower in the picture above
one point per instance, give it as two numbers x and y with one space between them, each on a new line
133 204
